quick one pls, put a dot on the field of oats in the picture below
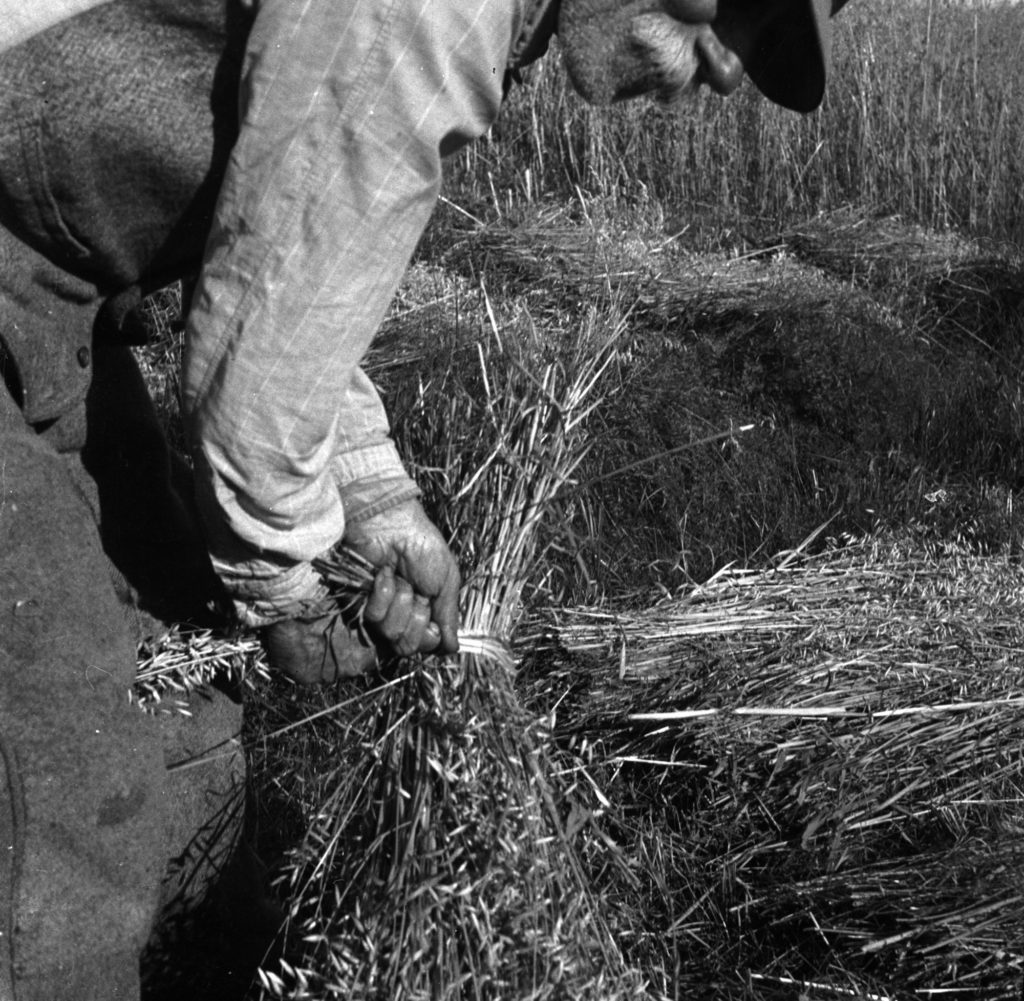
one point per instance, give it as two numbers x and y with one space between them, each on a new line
722 411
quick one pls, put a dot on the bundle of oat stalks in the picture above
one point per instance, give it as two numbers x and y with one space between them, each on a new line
436 862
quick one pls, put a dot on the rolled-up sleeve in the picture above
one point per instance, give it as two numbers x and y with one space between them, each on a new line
347 111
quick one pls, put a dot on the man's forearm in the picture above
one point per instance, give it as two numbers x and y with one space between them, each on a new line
347 112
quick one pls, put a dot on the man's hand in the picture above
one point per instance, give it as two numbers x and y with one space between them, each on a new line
414 602
316 649
413 605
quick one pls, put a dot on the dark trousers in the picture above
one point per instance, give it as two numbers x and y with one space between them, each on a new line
114 128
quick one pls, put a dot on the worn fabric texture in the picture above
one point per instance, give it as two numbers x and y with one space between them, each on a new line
19 21
46 318
144 500
85 772
108 169
99 795
9 853
114 132
214 924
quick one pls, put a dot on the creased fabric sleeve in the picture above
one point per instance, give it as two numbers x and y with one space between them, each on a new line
347 111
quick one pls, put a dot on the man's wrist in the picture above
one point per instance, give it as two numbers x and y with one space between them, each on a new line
296 592
362 504
372 479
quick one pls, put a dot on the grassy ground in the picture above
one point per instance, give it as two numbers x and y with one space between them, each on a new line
724 421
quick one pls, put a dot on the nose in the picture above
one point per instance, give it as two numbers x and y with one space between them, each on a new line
720 68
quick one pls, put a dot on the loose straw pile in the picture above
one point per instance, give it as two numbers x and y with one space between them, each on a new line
848 733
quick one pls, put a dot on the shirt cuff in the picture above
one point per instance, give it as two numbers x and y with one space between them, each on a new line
296 592
371 480
265 590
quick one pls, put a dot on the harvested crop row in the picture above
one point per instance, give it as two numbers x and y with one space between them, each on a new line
828 759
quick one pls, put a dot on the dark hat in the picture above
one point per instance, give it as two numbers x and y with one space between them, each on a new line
791 60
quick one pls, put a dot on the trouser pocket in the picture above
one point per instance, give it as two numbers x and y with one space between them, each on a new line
24 177
116 128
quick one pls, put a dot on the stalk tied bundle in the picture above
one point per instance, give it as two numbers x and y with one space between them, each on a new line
438 864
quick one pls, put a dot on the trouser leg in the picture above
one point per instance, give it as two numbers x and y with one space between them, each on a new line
121 492
217 922
108 166
83 768
147 521
102 418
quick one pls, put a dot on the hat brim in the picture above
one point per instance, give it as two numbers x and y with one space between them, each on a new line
791 60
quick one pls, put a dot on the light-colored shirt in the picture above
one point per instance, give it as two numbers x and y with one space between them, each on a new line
347 113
